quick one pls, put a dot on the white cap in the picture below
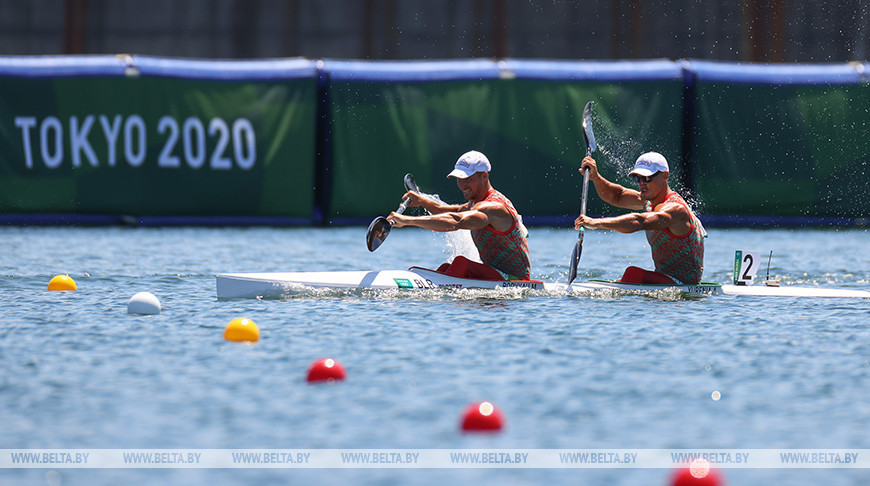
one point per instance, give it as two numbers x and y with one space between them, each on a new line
469 164
650 163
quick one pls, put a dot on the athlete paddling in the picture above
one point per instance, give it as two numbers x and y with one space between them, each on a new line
674 232
496 227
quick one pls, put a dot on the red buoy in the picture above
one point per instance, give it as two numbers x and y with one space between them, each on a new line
326 369
482 416
699 473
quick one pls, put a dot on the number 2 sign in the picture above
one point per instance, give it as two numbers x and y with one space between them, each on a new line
746 264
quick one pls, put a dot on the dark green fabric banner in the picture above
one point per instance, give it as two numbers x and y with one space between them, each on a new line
529 129
330 141
786 151
148 145
782 140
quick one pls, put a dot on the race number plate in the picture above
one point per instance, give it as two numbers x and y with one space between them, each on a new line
746 265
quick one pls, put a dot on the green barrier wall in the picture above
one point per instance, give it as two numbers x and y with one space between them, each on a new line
790 146
528 128
298 142
157 145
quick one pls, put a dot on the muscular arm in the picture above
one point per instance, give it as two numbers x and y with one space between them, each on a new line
478 216
609 192
444 221
432 205
668 216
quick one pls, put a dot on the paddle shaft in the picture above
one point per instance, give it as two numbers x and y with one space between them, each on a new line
410 185
585 190
380 228
590 146
403 206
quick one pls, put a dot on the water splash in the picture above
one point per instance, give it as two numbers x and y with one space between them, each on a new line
456 243
490 297
620 152
620 149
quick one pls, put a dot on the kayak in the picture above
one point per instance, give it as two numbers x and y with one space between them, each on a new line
278 284
283 284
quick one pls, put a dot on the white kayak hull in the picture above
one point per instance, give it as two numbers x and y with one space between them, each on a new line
278 284
793 291
281 284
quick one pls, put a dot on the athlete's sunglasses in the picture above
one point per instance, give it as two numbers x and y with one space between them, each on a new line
638 179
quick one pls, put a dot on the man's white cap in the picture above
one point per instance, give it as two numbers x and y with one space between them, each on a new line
469 164
650 163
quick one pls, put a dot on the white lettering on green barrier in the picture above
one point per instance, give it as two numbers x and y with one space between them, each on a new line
231 144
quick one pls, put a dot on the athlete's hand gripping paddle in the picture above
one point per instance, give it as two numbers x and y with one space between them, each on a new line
591 146
380 228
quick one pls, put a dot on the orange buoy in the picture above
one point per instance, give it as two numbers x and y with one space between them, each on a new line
62 282
242 329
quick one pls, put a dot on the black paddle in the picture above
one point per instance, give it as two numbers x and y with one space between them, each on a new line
410 185
380 228
590 147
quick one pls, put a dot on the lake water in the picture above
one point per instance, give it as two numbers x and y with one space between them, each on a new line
568 372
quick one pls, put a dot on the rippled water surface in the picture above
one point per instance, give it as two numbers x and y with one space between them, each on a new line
601 371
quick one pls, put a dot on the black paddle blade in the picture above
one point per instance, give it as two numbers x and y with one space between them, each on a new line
380 228
575 258
378 231
591 146
410 185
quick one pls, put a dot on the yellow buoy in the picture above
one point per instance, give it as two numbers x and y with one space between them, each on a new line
242 329
62 282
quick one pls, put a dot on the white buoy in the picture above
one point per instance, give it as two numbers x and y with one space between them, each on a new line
143 303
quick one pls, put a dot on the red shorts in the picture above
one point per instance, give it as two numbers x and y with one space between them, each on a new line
464 268
640 276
